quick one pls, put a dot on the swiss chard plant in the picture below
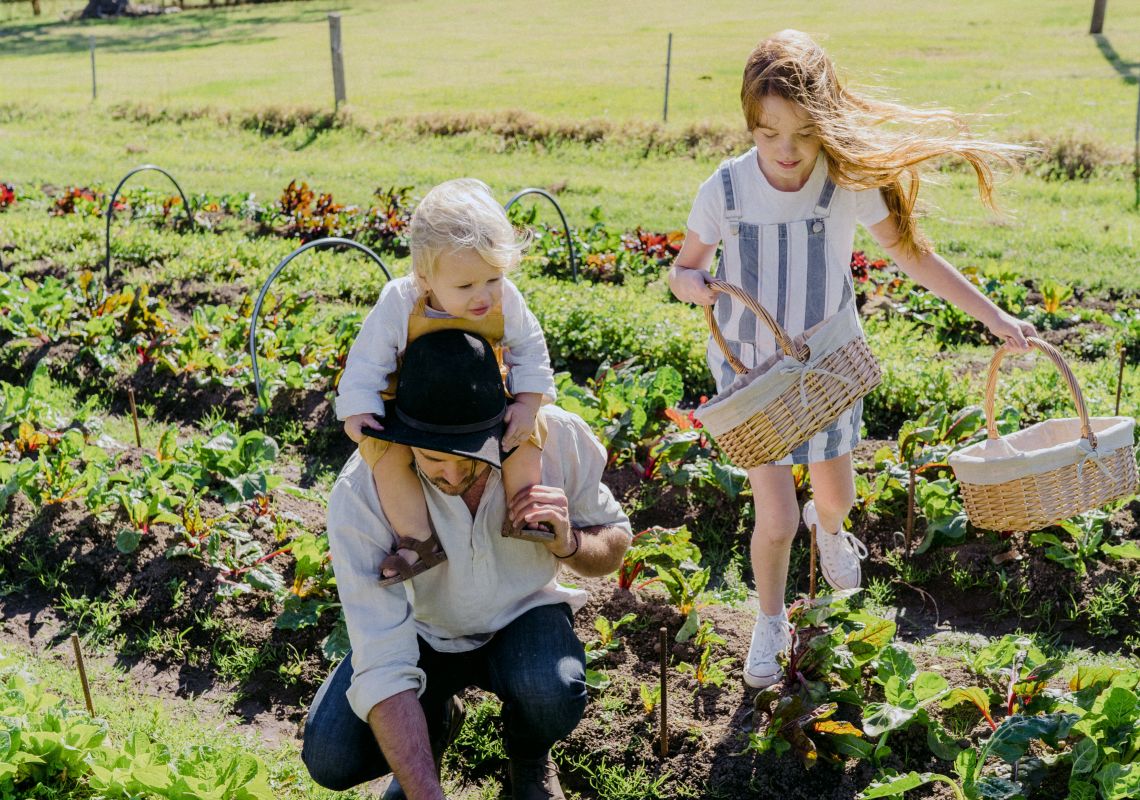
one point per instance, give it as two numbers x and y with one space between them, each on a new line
624 407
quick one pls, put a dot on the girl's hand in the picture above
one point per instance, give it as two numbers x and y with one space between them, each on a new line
520 419
1013 331
354 426
692 285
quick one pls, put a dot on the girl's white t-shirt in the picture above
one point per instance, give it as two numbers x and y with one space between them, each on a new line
761 203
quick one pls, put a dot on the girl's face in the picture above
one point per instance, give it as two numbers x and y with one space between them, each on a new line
786 143
464 285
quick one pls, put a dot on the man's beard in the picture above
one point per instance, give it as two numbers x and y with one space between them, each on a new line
455 489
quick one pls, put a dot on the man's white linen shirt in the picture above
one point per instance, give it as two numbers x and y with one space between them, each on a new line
487 580
383 337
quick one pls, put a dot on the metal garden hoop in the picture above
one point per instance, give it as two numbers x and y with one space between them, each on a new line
565 224
333 241
111 209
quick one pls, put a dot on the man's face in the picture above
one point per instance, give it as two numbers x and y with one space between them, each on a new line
449 473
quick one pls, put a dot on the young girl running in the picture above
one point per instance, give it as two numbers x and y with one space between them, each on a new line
785 212
462 247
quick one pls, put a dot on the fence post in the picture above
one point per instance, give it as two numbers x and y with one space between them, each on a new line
337 59
1098 16
668 66
91 42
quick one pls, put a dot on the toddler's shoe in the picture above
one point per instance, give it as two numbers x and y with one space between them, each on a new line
771 636
839 553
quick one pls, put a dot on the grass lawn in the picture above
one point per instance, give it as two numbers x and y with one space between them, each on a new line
562 63
1029 63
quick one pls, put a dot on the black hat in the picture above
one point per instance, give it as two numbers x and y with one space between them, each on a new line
449 398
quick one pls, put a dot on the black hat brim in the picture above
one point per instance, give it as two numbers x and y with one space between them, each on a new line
482 445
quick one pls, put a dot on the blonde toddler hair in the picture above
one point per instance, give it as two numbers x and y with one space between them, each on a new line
462 214
861 153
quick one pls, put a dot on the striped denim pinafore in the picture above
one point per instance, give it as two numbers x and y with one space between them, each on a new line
792 271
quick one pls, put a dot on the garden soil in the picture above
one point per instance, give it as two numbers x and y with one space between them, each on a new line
61 550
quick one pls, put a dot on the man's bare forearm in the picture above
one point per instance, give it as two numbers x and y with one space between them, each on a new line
400 728
600 550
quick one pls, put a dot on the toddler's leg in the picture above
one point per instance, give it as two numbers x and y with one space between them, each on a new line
522 470
402 498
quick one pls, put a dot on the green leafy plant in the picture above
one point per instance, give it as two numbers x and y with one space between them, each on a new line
624 407
656 547
1009 743
1107 754
1053 296
707 671
792 723
906 695
650 697
1088 539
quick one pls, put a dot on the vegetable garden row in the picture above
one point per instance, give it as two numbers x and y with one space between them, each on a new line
201 545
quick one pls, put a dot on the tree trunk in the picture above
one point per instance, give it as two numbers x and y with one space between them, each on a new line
97 9
36 7
1098 16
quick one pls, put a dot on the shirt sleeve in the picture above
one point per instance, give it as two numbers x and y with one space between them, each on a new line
870 207
591 501
373 356
381 628
708 211
526 355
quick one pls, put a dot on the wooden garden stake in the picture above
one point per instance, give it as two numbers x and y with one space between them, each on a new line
1119 377
664 637
811 566
82 673
909 510
134 416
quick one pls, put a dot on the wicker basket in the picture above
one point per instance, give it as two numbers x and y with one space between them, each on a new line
1049 471
773 408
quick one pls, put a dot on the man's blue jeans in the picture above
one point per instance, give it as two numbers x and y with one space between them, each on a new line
536 666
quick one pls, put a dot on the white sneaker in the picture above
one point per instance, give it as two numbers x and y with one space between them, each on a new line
839 553
771 636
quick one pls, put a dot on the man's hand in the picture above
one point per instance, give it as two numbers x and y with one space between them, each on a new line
520 419
546 504
354 426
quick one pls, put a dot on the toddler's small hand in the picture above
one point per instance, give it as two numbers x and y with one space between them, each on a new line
520 424
354 426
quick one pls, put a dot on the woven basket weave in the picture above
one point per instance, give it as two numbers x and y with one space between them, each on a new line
828 383
1047 472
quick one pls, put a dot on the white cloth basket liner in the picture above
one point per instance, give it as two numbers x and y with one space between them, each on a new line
1040 448
759 386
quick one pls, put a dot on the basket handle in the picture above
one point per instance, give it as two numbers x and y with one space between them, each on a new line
801 352
1058 361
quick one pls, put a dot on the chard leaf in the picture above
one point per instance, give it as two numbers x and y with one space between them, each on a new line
928 685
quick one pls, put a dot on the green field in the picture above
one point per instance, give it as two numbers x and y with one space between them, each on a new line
572 60
564 67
